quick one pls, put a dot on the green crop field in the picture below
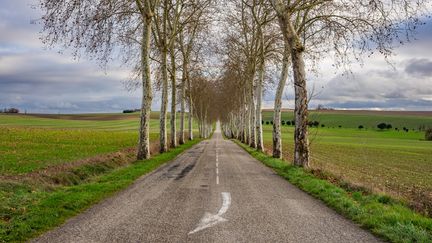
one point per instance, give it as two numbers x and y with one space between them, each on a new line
33 142
396 163
43 156
368 119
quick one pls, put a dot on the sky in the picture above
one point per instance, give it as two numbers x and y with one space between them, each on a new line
37 79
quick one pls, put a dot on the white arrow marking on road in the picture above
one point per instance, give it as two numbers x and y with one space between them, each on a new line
210 220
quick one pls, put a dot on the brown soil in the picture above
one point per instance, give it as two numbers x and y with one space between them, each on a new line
89 117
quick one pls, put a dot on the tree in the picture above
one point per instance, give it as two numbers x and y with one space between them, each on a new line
382 126
428 134
166 19
360 127
99 27
347 27
194 23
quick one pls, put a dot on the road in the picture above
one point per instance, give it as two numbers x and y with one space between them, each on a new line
215 192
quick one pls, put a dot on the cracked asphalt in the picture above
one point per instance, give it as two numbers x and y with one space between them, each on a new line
166 205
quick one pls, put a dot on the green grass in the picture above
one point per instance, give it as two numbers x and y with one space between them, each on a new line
380 214
28 210
391 162
109 122
24 150
29 143
369 119
395 163
54 166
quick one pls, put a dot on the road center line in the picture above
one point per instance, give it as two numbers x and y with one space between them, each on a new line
217 167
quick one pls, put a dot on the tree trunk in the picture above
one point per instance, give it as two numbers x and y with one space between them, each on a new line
301 147
293 42
182 104
164 103
277 134
247 119
144 138
258 122
173 99
190 109
252 112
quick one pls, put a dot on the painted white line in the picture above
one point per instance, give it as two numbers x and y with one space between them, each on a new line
210 220
217 171
217 179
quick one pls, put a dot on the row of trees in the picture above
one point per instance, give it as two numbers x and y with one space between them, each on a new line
294 35
160 39
10 110
167 41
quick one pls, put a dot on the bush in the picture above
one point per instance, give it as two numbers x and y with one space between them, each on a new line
131 111
389 126
316 123
382 126
262 122
428 134
283 123
360 127
288 123
267 123
322 125
271 122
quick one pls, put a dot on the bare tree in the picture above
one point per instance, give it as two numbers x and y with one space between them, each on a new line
193 22
347 28
100 28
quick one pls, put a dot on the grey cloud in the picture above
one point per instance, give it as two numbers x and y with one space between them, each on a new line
421 67
404 104
42 81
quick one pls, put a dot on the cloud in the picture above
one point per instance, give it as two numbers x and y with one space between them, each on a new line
421 67
39 80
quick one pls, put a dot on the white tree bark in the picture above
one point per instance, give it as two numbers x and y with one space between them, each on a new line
301 147
182 105
164 104
258 122
144 133
277 134
190 124
173 98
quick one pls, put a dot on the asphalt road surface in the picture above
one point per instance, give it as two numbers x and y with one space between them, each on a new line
214 192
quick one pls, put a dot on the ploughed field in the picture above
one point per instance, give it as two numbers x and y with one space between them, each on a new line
390 161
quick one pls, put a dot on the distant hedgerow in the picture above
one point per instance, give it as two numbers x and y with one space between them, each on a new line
428 134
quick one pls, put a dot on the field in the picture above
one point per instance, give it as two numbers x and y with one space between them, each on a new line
393 162
45 155
33 142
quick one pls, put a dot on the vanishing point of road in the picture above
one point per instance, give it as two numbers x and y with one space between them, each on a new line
214 192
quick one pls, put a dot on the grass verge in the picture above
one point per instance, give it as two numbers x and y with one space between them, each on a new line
41 210
383 216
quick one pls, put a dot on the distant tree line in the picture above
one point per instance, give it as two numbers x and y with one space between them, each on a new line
428 134
131 111
292 123
10 110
